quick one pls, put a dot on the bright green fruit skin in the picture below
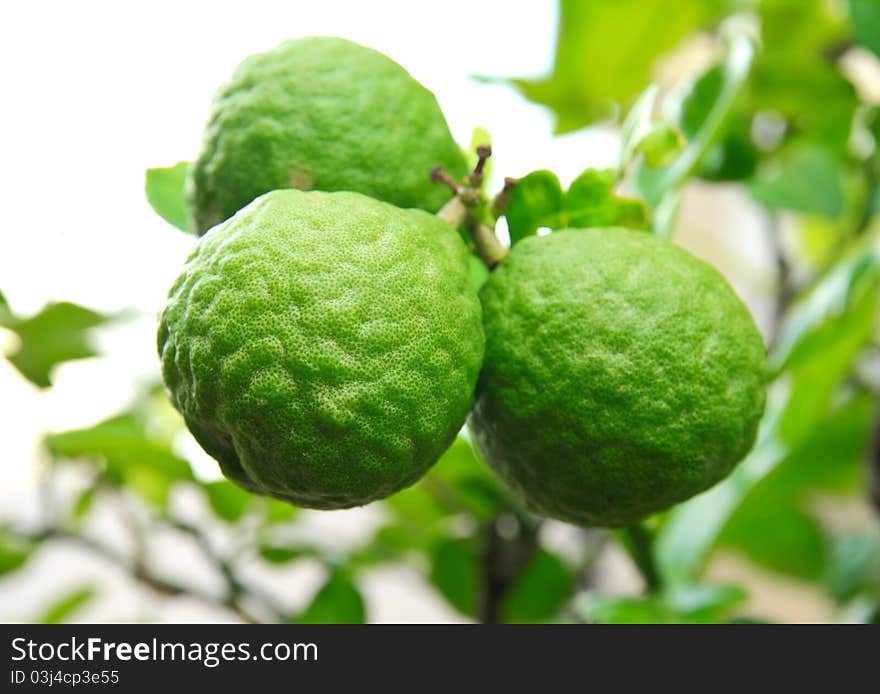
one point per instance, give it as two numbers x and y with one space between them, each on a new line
622 375
321 114
324 347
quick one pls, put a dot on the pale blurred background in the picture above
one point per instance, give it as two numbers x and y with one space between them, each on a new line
97 92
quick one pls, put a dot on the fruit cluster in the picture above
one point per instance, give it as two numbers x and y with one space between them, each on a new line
326 341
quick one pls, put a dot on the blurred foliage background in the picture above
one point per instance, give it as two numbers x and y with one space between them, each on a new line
775 99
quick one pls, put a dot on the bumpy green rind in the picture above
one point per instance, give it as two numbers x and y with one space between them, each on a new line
324 347
622 375
321 114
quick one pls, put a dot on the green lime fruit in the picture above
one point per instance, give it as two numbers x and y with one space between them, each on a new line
321 114
324 347
622 375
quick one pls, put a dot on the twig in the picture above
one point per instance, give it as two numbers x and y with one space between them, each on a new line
235 589
502 562
459 211
141 573
785 290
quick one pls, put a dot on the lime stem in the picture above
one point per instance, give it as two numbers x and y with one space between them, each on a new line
489 248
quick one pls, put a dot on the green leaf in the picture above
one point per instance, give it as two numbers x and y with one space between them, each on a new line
337 602
63 608
538 201
284 554
831 456
703 602
277 511
661 145
165 193
458 483
14 551
84 503
694 604
803 177
837 313
540 591
228 501
58 333
128 454
794 77
865 18
636 125
854 566
733 157
591 202
455 572
660 187
605 52
779 537
535 198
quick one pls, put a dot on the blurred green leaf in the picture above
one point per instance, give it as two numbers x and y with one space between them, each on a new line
605 52
796 78
703 602
458 483
836 314
865 18
284 554
128 454
600 609
854 566
537 201
165 193
227 500
84 502
803 177
769 525
58 333
661 145
14 550
455 572
64 607
733 156
698 604
277 511
636 125
337 602
540 591
779 537
660 187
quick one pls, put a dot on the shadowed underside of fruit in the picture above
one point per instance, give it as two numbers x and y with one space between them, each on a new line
324 347
326 114
622 375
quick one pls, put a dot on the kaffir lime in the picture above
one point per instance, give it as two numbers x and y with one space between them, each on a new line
622 375
324 347
325 114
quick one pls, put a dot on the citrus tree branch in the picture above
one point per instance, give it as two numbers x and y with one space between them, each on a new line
140 573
